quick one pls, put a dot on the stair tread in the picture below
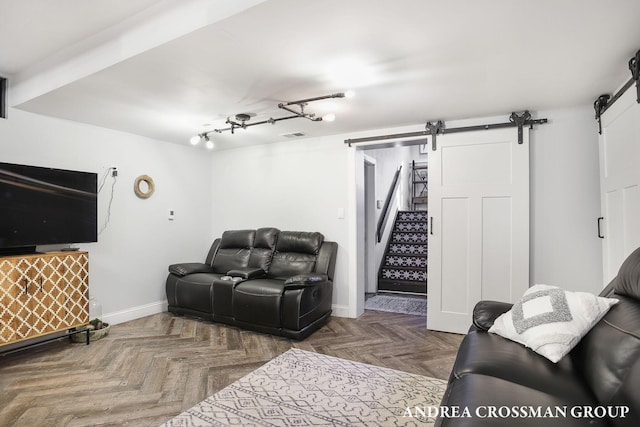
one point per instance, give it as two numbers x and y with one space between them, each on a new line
401 255
416 269
393 242
403 286
421 256
413 282
403 267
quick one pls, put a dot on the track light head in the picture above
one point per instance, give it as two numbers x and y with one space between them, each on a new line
202 137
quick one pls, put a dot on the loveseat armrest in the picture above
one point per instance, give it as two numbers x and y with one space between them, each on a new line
247 273
486 312
305 280
189 268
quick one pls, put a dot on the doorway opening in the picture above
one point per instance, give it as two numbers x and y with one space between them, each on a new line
394 224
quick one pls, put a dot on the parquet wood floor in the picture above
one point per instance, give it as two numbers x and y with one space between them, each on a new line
151 369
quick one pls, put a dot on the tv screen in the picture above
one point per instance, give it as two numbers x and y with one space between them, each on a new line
44 206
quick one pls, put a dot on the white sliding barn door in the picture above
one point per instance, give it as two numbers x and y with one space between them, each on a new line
479 229
619 146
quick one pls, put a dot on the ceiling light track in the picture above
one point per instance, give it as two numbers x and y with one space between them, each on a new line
240 120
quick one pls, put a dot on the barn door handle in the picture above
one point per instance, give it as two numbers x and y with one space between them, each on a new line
431 225
600 235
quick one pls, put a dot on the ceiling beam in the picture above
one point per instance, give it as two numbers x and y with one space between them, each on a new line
157 25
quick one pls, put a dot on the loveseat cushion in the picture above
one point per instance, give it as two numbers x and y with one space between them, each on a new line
492 355
481 394
259 301
300 242
237 239
192 291
296 253
608 358
287 264
263 247
234 250
627 282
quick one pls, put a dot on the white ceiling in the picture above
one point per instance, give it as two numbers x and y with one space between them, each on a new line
164 69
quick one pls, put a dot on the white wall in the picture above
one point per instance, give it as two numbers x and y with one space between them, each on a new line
565 201
128 264
301 184
292 185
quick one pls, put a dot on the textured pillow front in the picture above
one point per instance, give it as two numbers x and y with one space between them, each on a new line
550 320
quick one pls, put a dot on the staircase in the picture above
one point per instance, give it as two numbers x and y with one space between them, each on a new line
404 265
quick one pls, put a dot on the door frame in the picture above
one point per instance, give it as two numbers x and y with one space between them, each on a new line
371 269
355 214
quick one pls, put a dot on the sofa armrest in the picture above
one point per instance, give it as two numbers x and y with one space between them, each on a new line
247 273
486 312
305 280
189 268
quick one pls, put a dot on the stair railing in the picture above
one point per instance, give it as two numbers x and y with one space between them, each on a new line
385 209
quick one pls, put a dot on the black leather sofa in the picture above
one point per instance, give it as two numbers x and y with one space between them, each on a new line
266 280
502 383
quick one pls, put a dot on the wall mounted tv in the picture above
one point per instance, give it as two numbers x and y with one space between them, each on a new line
46 206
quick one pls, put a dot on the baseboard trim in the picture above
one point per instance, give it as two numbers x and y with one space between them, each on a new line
135 312
340 310
161 306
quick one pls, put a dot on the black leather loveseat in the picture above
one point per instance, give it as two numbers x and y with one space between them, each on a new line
502 383
267 280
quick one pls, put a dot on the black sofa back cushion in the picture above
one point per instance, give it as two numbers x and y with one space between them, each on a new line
608 357
263 247
296 253
300 242
628 279
237 239
234 250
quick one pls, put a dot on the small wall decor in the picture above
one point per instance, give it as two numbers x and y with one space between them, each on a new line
149 183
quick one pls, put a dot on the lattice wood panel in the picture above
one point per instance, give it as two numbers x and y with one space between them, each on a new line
40 294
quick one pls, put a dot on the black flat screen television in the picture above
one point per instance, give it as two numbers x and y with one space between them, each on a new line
46 206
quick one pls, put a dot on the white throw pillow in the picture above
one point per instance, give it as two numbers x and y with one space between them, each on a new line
550 320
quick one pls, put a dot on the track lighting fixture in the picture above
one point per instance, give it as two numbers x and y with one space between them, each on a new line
203 137
296 108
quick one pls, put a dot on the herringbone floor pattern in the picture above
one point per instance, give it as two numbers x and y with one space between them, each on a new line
149 370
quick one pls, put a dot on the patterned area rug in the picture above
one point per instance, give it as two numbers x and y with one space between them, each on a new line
397 304
301 388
